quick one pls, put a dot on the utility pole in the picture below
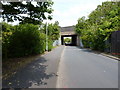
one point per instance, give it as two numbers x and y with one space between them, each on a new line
46 38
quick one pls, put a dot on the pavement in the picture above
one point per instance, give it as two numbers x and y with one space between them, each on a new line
110 56
82 68
41 73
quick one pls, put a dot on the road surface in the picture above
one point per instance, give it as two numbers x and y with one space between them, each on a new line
81 68
41 73
78 68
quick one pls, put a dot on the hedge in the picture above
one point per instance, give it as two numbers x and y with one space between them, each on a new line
25 39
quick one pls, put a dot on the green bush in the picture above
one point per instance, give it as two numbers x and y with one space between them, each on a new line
50 45
6 34
22 40
26 40
101 22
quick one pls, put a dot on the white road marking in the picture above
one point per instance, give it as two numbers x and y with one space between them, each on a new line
58 78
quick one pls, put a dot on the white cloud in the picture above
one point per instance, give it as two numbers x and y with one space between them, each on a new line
67 12
71 15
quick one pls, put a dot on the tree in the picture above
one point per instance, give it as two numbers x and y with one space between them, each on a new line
67 40
7 31
53 30
26 12
99 25
80 26
22 40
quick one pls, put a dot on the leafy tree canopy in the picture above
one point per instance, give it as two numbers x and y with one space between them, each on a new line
53 30
67 40
100 24
27 12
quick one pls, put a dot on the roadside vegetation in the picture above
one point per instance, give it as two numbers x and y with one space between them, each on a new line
23 42
67 40
99 25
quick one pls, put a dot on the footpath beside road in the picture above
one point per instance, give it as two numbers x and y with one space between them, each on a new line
41 73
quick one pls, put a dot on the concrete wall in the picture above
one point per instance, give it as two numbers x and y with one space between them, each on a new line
57 42
79 42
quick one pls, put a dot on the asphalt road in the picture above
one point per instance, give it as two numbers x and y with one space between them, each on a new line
78 68
41 73
81 68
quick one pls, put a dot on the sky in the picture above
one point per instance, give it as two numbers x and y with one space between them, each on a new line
67 12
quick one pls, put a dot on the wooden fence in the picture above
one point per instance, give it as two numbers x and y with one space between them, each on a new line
113 43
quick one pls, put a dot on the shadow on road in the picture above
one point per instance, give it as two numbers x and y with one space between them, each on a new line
33 73
89 50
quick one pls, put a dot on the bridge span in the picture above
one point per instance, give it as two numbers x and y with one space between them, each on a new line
69 31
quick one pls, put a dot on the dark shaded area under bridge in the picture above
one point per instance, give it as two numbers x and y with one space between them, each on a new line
73 40
69 31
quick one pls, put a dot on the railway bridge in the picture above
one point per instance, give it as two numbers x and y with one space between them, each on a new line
69 31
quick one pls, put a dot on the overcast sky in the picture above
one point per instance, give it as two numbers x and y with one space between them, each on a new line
67 12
